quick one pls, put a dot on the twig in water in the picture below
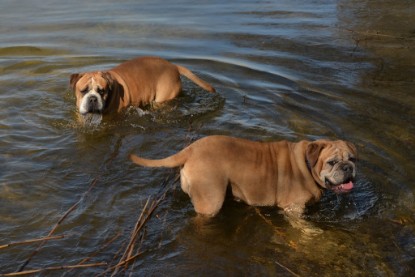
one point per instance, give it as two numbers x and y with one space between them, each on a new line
145 215
57 225
138 226
32 271
83 261
287 269
31 241
101 248
138 251
74 206
122 263
130 247
269 222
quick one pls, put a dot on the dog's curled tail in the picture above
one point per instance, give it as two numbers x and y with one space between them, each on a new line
189 74
172 161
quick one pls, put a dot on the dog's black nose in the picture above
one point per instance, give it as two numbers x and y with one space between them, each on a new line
347 168
93 100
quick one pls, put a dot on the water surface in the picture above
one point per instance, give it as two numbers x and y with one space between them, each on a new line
282 69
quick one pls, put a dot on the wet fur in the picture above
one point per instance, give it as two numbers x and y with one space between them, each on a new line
283 174
136 82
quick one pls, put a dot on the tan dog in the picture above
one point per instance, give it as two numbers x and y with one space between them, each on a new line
286 174
136 82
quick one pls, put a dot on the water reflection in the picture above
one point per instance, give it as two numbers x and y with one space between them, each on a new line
282 71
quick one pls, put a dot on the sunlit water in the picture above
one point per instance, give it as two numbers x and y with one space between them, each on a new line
282 69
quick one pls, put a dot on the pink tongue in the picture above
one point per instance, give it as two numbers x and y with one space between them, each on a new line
347 186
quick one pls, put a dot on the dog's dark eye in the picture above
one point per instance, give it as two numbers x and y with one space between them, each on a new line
332 163
85 90
100 91
353 160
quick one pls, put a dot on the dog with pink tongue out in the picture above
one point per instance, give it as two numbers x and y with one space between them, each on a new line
286 174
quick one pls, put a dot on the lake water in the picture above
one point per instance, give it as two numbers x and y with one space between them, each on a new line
282 70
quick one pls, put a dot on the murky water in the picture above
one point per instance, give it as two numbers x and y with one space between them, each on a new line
283 70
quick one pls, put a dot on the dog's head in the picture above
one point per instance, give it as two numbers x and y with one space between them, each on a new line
92 91
332 164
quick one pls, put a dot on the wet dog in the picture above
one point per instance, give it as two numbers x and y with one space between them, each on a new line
137 82
284 174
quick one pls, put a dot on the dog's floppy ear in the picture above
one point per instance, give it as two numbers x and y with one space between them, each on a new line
352 148
110 80
74 79
313 152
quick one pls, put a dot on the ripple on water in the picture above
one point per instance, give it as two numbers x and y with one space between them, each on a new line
356 205
302 70
26 50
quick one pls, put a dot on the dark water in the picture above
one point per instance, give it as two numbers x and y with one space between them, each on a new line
283 70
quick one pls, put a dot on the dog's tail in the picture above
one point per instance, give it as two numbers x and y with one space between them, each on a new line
175 160
189 74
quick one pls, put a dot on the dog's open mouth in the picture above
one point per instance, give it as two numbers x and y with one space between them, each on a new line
340 188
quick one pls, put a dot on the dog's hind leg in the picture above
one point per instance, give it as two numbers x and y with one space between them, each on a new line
206 192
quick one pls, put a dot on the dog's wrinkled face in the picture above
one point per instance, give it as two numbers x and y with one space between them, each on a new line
92 91
333 164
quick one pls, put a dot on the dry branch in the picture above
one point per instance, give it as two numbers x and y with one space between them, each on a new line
128 255
287 269
269 222
32 271
74 206
101 248
31 241
143 218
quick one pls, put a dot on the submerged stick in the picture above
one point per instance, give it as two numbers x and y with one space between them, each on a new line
128 256
287 269
374 34
31 241
99 250
32 271
130 246
108 243
269 222
122 263
74 206
128 253
143 218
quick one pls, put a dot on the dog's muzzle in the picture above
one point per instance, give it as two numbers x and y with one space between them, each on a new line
345 187
91 103
347 181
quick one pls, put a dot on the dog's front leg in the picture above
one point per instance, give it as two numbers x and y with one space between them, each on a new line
294 215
